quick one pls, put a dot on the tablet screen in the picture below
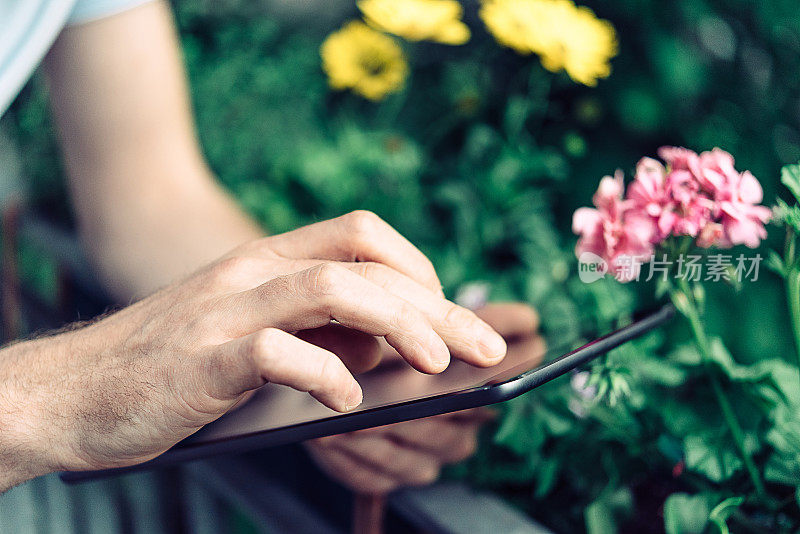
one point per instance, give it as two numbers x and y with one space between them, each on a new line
274 406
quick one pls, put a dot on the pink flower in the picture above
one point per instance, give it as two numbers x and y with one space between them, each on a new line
690 209
741 217
647 191
706 189
671 199
679 158
613 231
709 235
698 195
710 169
716 169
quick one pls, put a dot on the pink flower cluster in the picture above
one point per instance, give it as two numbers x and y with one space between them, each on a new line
697 195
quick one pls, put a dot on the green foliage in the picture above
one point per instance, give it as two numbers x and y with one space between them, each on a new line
721 512
603 514
481 161
686 514
790 177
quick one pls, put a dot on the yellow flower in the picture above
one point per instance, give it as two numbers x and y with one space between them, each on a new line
418 20
564 35
368 62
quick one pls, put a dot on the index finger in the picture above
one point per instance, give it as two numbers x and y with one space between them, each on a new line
358 236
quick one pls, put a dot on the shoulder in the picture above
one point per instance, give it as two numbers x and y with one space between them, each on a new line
89 10
27 29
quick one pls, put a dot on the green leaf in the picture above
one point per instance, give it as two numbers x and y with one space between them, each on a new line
686 514
782 469
721 512
790 177
699 293
555 423
686 354
788 215
681 302
663 285
602 515
783 465
659 372
710 457
546 476
777 377
599 519
775 263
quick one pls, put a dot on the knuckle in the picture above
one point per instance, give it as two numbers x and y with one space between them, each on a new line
424 474
263 343
376 272
278 286
324 279
362 220
465 448
256 246
430 268
457 318
406 315
361 225
327 373
232 268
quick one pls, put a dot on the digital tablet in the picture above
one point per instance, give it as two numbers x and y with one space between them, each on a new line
277 415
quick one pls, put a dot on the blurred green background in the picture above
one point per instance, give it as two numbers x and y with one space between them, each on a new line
480 160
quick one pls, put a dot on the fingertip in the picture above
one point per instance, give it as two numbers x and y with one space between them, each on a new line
354 397
439 354
493 346
531 316
438 366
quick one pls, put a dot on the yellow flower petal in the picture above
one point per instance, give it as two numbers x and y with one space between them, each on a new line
417 20
455 33
368 62
565 36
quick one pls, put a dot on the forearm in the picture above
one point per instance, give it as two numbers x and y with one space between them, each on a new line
144 241
147 206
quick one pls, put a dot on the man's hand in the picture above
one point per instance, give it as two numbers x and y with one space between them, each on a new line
379 460
127 388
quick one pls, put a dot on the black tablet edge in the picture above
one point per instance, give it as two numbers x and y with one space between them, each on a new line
494 391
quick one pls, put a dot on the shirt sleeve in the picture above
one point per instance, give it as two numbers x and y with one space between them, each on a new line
89 10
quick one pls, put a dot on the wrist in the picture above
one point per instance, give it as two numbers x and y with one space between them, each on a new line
18 462
19 459
26 448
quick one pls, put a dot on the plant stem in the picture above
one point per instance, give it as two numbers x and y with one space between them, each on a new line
793 290
793 296
690 311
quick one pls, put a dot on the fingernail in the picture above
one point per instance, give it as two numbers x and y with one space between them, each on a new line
440 355
354 398
493 346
